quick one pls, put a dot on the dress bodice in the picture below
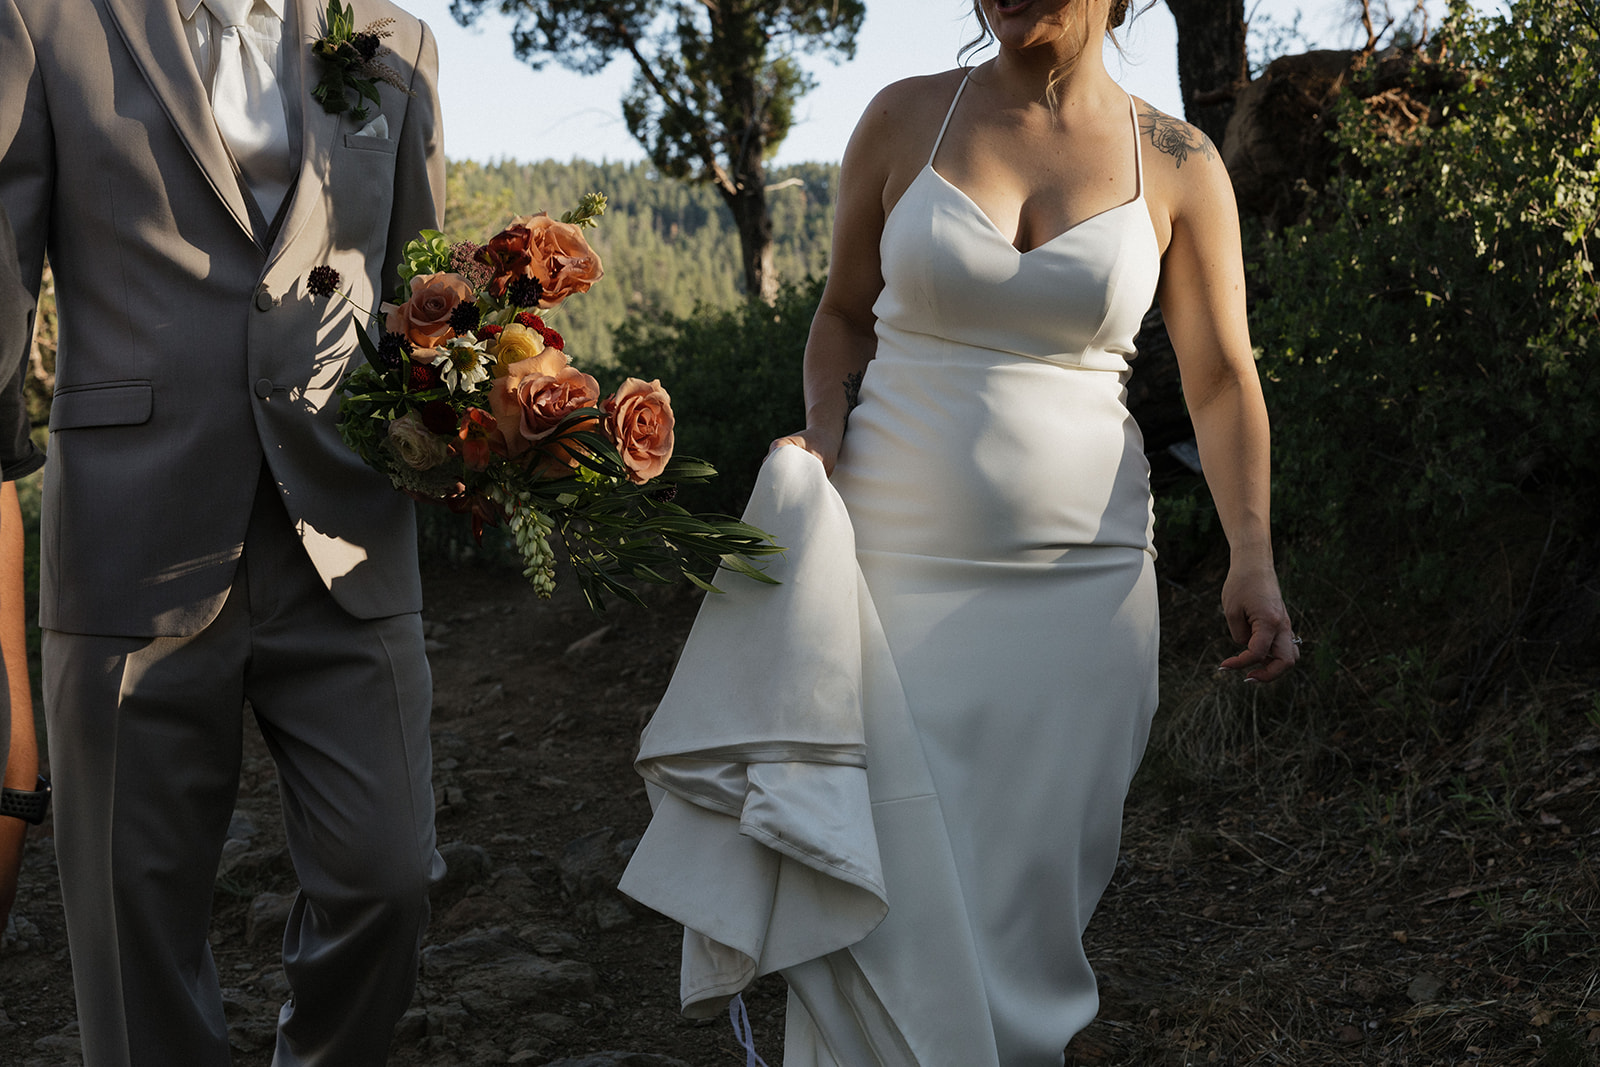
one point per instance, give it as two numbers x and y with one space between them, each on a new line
999 378
1076 300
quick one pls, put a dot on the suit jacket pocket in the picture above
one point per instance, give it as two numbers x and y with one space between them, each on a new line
101 404
360 193
370 143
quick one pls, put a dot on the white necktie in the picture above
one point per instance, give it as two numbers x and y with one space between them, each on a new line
248 104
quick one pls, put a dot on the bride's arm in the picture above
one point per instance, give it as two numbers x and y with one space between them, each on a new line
842 339
1202 297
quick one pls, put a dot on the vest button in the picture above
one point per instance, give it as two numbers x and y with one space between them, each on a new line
263 387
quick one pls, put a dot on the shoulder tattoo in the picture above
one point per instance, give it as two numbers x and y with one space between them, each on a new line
1174 137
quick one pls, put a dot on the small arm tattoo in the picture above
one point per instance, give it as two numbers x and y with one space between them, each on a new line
852 389
1173 136
852 393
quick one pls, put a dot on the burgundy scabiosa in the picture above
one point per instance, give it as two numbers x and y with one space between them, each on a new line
323 281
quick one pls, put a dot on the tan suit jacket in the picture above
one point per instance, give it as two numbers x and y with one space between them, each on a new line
190 349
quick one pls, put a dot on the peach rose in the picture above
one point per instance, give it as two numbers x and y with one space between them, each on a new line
530 407
560 258
424 320
639 422
518 344
417 446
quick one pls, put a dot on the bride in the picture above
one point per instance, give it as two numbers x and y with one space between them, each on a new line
1001 231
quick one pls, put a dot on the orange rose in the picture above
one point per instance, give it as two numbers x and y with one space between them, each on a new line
560 258
528 407
424 320
518 344
639 422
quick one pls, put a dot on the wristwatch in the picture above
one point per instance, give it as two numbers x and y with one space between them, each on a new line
29 807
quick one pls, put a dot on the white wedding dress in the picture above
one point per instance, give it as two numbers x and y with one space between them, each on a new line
898 778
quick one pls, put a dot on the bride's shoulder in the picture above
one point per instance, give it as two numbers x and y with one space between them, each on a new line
910 102
1174 141
905 114
1175 146
1183 168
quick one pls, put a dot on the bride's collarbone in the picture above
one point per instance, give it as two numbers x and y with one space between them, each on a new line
1046 174
1035 198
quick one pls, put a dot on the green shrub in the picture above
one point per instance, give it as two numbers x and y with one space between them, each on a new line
1429 349
734 377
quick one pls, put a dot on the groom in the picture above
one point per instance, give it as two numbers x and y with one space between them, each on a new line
207 538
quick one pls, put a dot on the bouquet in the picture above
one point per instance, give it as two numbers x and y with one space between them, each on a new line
469 399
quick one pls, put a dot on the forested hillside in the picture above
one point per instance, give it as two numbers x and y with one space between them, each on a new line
666 245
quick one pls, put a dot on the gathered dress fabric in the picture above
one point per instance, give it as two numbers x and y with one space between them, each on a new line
991 681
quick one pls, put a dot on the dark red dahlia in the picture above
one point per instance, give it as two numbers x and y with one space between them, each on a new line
506 256
424 376
438 416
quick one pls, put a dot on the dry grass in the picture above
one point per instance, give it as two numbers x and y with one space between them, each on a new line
1346 869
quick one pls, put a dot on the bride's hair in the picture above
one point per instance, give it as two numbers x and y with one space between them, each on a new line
1115 17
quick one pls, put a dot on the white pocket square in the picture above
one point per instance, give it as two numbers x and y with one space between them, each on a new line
378 127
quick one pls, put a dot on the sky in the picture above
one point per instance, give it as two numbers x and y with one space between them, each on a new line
496 107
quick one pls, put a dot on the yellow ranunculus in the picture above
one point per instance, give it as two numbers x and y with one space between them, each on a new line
517 343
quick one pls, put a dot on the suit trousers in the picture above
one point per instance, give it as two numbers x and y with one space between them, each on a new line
146 738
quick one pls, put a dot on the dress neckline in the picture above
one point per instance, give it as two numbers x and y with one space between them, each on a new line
991 225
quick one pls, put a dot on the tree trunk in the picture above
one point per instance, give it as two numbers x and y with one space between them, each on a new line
749 207
1211 60
738 51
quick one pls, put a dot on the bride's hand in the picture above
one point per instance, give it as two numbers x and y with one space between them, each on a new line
1258 620
819 442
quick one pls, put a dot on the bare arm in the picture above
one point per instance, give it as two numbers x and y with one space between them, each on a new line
27 176
22 766
1203 300
842 339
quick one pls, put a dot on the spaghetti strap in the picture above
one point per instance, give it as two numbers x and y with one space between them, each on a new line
937 141
1138 145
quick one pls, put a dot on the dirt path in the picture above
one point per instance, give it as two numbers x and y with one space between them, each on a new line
1241 929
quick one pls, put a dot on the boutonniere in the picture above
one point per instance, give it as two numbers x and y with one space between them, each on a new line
351 62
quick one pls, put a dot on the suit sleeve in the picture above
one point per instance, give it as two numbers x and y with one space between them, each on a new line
27 172
419 169
27 145
18 456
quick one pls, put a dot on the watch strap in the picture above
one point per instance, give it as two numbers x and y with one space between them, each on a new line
27 806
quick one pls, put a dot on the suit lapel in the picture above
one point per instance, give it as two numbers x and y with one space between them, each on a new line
153 33
318 129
